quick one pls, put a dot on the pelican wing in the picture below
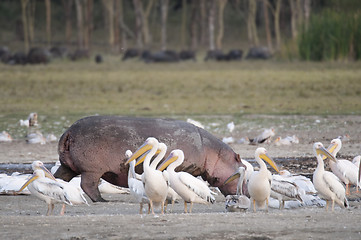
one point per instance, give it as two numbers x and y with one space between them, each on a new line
197 186
52 189
286 188
334 184
348 170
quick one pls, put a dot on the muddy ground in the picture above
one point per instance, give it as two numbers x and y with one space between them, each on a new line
22 217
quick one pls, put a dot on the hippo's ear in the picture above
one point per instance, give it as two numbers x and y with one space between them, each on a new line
238 158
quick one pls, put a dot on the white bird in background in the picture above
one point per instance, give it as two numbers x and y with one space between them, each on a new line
9 185
195 123
230 126
289 140
356 161
36 138
238 202
342 168
228 140
47 190
328 186
259 185
31 121
155 182
244 140
265 136
191 189
51 138
5 137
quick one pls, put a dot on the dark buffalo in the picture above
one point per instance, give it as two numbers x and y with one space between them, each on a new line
98 58
38 55
131 53
58 52
79 54
161 56
187 55
19 58
95 148
258 53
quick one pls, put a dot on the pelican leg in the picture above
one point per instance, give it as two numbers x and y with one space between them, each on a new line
165 205
48 212
151 206
190 208
172 206
148 208
62 210
185 207
348 189
162 206
266 204
333 205
141 208
254 205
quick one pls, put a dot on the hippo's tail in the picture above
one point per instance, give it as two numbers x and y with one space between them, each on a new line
64 171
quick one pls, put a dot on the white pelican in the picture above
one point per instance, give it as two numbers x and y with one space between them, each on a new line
5 137
326 183
284 190
238 202
31 121
302 182
40 165
191 189
342 168
265 136
249 169
36 138
230 126
9 185
289 140
155 182
47 190
356 160
195 123
259 185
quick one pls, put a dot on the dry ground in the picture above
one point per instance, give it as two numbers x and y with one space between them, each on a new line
22 217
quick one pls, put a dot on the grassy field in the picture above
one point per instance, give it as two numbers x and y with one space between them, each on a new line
187 88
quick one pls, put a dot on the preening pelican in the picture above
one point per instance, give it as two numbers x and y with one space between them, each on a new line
155 182
259 185
326 183
191 189
47 190
342 168
238 202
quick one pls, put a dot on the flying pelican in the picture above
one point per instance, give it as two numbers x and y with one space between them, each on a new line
284 190
155 182
326 183
191 189
238 202
259 185
342 168
47 190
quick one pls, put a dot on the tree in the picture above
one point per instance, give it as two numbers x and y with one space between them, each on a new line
211 17
277 23
48 21
251 23
193 25
24 4
164 10
267 25
68 5
138 22
184 23
222 5
79 16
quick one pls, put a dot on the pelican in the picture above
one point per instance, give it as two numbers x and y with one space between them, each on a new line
5 137
249 169
259 185
238 202
302 182
326 183
47 190
31 121
284 190
191 189
38 165
35 138
155 182
11 184
356 160
265 136
342 168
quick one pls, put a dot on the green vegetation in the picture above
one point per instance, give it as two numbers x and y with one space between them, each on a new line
187 88
332 36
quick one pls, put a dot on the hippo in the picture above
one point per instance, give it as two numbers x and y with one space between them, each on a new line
95 147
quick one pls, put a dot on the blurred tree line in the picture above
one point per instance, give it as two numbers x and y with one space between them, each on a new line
308 29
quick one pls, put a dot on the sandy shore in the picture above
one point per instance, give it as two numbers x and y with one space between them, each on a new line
22 217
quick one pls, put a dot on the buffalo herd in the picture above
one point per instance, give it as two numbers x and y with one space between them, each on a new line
39 55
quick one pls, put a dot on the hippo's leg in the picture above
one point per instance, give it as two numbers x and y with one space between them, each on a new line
65 173
89 184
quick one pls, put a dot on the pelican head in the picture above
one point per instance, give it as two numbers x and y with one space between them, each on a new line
335 146
240 173
319 149
284 173
38 165
173 156
149 144
38 173
262 154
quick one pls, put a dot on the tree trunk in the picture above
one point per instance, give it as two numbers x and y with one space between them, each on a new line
193 25
211 17
145 17
203 22
122 26
48 21
68 4
88 26
251 23
164 8
31 21
109 6
116 26
138 23
307 12
277 24
24 4
184 24
79 16
266 24
294 18
222 5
